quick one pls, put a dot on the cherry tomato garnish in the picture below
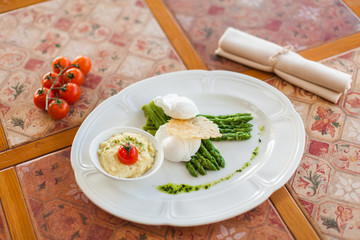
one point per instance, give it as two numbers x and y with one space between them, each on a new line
70 92
58 109
82 62
127 154
60 63
39 97
74 75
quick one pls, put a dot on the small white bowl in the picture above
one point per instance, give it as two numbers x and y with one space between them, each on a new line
106 134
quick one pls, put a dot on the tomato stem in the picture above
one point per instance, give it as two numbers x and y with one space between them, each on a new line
70 75
128 148
41 91
58 102
62 70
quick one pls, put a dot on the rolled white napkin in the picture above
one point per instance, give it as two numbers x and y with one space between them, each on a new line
258 53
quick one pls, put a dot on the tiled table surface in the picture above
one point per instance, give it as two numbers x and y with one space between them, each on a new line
57 206
129 47
126 45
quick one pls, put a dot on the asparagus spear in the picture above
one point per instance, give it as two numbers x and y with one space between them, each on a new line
159 112
149 122
197 165
235 130
231 120
214 152
191 169
238 136
153 116
225 116
149 127
204 152
152 131
229 126
205 162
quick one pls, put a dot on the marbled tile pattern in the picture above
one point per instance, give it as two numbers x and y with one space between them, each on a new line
59 208
122 38
327 180
300 23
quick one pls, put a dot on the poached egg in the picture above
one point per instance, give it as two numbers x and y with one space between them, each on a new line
176 106
176 148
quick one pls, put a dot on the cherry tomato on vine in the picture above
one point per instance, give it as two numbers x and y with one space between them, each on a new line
60 63
83 62
127 154
58 109
73 75
70 92
48 80
39 97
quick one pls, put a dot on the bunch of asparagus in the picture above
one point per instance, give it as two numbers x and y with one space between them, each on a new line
232 127
155 117
206 158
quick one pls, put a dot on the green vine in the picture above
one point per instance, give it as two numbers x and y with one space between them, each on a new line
315 180
18 89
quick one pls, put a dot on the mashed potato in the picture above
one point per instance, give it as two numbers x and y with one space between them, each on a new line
108 155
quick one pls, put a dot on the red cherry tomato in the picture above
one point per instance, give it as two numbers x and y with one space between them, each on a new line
60 63
48 80
74 75
127 154
83 62
58 109
39 97
70 92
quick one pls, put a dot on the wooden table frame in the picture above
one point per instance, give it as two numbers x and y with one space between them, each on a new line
17 216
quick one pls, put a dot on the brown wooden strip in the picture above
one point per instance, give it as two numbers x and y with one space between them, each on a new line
332 48
258 74
15 210
15 4
3 142
176 35
354 5
308 217
293 217
37 148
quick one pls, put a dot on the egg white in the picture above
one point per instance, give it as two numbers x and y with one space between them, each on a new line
176 106
177 149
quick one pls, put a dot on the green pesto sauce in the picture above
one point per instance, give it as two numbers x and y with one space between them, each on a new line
174 188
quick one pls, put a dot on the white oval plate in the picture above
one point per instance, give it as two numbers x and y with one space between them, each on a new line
214 92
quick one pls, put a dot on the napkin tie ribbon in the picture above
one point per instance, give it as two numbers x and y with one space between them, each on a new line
274 58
